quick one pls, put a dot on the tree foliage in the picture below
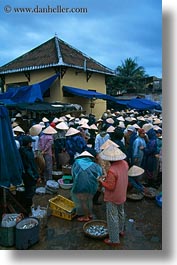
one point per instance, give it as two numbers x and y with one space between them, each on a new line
129 77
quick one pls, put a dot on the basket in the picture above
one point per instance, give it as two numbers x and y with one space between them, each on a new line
96 229
62 207
152 193
135 196
66 169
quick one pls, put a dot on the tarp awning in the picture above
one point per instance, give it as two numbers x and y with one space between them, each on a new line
143 104
88 93
27 94
135 103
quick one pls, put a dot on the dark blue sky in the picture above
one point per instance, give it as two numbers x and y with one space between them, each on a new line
110 31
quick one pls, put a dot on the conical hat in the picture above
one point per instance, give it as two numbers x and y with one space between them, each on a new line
107 143
44 119
85 126
93 127
157 121
83 120
49 130
35 130
136 126
68 116
135 171
72 131
120 118
42 124
18 129
112 153
55 120
129 119
85 153
110 120
14 124
121 124
147 126
62 126
110 129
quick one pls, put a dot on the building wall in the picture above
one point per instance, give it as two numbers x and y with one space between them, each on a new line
73 78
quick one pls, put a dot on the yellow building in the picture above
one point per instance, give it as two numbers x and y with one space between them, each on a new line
76 70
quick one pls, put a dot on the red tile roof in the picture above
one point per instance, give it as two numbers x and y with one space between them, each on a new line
54 52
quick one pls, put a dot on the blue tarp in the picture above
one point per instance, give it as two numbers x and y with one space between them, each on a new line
143 104
135 103
27 94
11 166
88 93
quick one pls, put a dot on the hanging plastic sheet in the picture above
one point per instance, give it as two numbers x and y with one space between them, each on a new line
11 166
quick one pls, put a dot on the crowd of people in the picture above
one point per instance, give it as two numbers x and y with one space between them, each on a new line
103 153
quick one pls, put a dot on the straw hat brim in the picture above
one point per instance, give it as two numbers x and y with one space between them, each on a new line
49 130
72 131
85 154
112 153
35 130
107 144
135 171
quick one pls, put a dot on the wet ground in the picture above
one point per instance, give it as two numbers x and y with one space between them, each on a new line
144 233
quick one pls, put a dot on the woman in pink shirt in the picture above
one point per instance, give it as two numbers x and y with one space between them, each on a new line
45 146
115 185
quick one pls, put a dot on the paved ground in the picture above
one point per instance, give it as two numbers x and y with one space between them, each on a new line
145 233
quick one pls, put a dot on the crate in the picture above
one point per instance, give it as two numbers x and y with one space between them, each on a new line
62 207
7 236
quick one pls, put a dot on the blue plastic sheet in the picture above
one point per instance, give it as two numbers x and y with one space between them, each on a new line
11 166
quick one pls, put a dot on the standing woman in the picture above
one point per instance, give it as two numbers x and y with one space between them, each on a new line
30 173
115 185
85 172
45 146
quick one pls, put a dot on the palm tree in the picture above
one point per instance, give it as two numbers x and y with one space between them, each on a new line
129 77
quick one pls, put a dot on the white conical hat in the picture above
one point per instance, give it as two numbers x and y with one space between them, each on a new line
18 129
107 143
85 126
93 127
55 120
110 120
44 119
83 120
35 130
49 130
72 131
62 126
136 126
157 121
121 124
120 118
112 153
135 171
85 153
14 124
110 129
147 126
42 124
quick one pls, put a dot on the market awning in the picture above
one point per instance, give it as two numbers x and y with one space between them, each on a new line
135 103
27 94
88 93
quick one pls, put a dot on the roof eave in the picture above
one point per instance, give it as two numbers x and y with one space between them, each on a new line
32 68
